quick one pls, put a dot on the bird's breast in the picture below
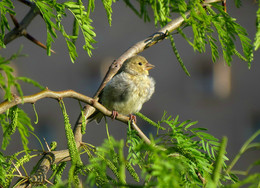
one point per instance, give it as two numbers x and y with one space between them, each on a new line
127 93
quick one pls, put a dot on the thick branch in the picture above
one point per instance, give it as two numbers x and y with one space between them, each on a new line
44 94
60 95
138 48
63 155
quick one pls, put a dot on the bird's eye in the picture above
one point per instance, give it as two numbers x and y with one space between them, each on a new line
140 63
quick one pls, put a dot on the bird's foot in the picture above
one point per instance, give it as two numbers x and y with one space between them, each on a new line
114 114
132 117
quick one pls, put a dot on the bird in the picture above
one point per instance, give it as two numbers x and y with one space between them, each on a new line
128 90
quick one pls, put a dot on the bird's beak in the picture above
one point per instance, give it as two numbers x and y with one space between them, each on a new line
149 66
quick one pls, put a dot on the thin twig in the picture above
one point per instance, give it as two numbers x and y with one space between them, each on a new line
27 2
35 41
17 31
66 94
17 169
54 157
47 145
16 24
20 28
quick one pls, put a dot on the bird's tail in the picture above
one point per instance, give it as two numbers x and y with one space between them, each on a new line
97 115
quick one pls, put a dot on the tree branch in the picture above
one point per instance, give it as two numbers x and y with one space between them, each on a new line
18 31
27 2
63 155
144 44
20 28
54 157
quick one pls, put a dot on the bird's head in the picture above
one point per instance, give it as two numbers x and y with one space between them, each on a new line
137 65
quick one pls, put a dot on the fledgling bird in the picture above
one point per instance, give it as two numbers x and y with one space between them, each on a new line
129 89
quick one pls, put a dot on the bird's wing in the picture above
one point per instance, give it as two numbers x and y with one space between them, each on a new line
119 88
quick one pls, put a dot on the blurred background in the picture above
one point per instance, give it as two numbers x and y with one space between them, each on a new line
225 100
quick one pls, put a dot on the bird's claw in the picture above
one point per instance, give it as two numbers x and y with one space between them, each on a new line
132 117
114 114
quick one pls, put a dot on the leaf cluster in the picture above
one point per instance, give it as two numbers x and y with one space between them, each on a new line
6 6
204 21
182 155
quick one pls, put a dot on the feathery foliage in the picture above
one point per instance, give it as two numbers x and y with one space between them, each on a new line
16 119
180 154
193 157
73 150
51 10
6 6
204 21
257 35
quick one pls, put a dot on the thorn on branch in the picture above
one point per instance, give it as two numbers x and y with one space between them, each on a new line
47 145
35 41
14 21
19 172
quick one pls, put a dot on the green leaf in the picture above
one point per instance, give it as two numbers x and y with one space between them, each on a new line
73 150
219 162
84 22
257 35
6 6
214 48
178 55
20 121
30 81
190 124
108 7
207 136
238 3
11 128
149 120
228 30
72 51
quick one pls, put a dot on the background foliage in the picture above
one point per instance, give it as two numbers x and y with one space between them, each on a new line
181 154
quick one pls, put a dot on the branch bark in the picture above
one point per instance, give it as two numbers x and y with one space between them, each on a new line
58 95
18 31
54 157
